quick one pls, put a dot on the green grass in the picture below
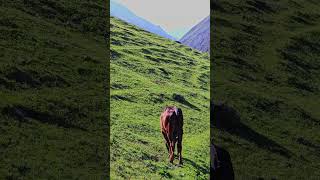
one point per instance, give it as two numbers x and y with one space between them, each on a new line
147 73
265 64
53 77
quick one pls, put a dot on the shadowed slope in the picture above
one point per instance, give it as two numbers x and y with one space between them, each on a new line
265 64
53 73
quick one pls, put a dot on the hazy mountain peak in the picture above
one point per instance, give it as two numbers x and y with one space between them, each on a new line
199 36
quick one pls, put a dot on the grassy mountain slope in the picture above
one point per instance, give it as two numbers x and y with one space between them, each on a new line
53 73
266 65
149 72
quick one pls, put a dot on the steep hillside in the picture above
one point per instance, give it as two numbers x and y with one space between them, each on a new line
53 73
149 72
119 11
266 66
199 36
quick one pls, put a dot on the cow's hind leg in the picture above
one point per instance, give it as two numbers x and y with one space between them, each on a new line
179 146
172 143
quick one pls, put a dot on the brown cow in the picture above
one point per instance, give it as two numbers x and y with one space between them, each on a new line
171 123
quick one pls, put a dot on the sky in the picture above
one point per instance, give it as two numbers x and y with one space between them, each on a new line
176 17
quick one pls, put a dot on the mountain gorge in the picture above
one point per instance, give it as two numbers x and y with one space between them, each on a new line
120 11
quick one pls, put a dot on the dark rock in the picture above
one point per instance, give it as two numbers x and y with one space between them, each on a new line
179 98
223 116
22 77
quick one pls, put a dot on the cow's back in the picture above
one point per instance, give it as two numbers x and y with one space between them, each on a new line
165 118
171 117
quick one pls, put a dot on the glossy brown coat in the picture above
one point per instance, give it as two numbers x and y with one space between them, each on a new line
171 123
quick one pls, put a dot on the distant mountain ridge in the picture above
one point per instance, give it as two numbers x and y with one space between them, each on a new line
123 13
199 36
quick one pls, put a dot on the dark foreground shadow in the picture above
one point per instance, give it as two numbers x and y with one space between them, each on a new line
261 141
226 118
22 114
221 164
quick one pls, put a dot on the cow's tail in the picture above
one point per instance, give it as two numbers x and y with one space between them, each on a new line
170 127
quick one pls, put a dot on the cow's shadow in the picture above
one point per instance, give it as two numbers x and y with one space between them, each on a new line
226 118
200 168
